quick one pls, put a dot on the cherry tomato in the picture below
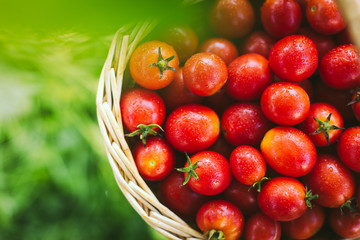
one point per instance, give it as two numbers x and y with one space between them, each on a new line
331 180
205 73
244 124
207 173
249 75
260 226
180 199
177 94
283 199
294 58
141 106
324 16
243 197
153 64
285 103
349 148
192 128
307 225
355 104
308 87
340 67
247 165
232 18
155 160
221 47
288 151
184 40
345 223
323 124
220 219
281 18
258 42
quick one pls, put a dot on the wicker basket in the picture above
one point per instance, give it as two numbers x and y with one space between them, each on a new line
118 152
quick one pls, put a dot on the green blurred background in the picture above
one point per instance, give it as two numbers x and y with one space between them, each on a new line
55 181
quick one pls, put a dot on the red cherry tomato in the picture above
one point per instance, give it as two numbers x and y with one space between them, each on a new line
349 148
260 226
294 58
205 73
346 223
307 225
247 165
232 18
153 64
243 197
207 173
184 40
355 104
192 128
244 124
258 42
288 151
221 219
281 18
308 87
249 75
331 180
283 199
155 160
340 67
180 199
323 124
221 47
285 103
177 94
141 106
324 16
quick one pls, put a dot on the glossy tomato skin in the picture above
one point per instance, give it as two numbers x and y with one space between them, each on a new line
244 124
324 16
260 226
349 148
285 103
213 172
243 197
141 106
221 47
258 42
294 58
307 225
346 224
340 67
321 111
283 199
177 94
205 73
222 216
249 75
154 161
331 180
281 18
180 199
288 151
147 54
184 40
192 128
232 18
247 165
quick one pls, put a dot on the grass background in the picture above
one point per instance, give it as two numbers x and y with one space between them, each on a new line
55 181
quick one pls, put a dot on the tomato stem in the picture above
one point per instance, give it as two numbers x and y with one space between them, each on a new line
258 184
351 204
325 127
309 197
216 235
162 63
190 170
356 99
144 130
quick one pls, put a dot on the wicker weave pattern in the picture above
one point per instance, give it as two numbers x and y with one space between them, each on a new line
119 155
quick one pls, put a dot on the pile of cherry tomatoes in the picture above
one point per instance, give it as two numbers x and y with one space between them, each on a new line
252 134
